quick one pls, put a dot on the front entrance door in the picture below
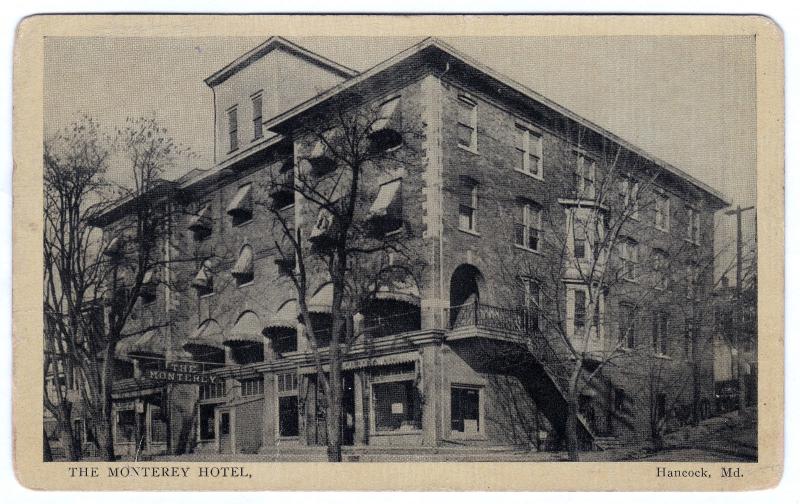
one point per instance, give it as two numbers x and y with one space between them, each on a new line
225 432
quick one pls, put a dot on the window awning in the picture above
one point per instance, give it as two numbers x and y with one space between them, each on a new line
202 221
286 316
148 344
387 114
247 330
321 301
207 336
405 291
242 202
322 226
114 247
389 202
204 276
244 264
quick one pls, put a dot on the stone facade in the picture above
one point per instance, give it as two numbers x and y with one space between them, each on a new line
447 381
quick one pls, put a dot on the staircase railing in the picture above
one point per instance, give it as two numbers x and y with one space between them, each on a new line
524 322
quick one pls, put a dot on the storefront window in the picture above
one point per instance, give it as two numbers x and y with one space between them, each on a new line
126 426
158 426
465 410
207 430
395 406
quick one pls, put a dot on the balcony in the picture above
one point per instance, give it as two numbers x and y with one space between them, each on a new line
474 317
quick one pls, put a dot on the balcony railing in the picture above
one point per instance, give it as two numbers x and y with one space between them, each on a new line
475 314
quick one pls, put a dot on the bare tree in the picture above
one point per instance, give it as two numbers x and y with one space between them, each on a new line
602 243
94 280
337 162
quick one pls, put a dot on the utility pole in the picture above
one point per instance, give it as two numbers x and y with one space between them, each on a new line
738 311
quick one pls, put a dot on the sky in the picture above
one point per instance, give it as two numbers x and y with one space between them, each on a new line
687 100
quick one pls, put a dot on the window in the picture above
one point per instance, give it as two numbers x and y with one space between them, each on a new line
527 229
579 319
241 206
660 327
288 411
395 406
465 410
579 238
467 123
661 219
258 124
693 225
252 386
243 271
233 129
126 426
629 257
533 302
585 173
206 413
529 152
661 267
629 197
627 326
468 205
212 390
158 425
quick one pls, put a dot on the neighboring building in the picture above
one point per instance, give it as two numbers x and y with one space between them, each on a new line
445 359
727 348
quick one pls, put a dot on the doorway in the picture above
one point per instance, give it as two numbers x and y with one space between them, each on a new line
224 430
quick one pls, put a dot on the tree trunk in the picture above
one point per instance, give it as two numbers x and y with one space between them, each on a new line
571 430
105 424
334 413
47 453
72 451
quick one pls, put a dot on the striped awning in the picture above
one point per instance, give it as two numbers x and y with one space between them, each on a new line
148 344
321 301
242 202
114 247
244 264
389 202
405 291
246 330
285 317
207 336
204 277
388 112
202 221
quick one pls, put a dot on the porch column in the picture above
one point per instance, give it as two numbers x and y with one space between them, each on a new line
431 362
270 401
360 437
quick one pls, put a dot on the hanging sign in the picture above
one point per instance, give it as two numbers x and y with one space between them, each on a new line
182 372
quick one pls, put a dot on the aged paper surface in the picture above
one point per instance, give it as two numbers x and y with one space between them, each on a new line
418 407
